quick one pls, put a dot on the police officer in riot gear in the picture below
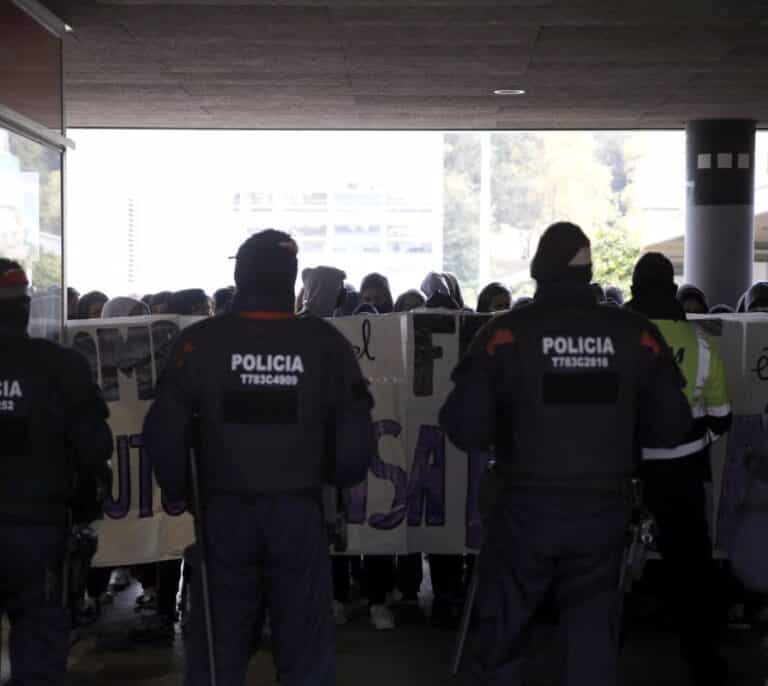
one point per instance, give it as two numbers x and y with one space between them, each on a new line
674 478
563 390
53 431
282 409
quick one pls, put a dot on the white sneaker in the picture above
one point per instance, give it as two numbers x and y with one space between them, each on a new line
339 613
382 618
120 580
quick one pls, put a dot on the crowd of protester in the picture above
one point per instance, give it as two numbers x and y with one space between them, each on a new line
390 584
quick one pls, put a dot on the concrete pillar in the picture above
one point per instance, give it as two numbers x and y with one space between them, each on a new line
719 233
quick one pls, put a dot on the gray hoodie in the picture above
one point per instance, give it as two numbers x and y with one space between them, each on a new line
434 283
322 286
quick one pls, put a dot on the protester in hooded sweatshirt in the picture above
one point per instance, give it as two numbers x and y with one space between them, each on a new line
454 289
351 302
438 293
160 302
379 570
692 299
222 299
374 290
615 295
446 571
495 297
149 628
410 573
410 300
599 293
191 302
756 298
91 305
161 581
323 291
522 301
674 478
98 578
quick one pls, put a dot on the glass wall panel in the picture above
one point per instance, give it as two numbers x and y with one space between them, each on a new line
30 68
30 223
168 210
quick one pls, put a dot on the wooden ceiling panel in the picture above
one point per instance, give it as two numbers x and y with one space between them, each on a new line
413 64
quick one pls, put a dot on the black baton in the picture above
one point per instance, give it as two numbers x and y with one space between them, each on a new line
466 618
202 548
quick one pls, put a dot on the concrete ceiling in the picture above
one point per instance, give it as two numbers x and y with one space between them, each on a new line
413 64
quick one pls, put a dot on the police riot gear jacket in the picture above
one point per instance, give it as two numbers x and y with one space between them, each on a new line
53 429
280 402
565 391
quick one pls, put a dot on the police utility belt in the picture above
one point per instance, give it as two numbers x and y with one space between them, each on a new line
500 479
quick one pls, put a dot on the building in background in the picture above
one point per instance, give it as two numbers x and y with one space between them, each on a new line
359 228
20 232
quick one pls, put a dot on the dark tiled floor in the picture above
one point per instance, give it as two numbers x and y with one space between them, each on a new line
106 655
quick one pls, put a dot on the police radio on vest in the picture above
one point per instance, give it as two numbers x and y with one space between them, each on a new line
10 389
267 363
580 345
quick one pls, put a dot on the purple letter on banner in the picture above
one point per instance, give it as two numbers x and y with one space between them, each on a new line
174 507
427 483
424 352
147 485
356 503
393 473
117 509
145 478
476 468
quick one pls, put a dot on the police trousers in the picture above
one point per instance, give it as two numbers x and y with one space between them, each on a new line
31 596
539 545
266 555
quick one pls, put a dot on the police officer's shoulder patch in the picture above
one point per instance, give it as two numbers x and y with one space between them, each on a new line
648 340
500 337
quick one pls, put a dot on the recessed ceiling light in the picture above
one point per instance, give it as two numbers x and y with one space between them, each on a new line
509 91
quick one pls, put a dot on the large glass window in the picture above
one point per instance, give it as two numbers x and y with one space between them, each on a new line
30 223
400 203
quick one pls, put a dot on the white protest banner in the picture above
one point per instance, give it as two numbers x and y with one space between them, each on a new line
414 498
420 493
745 352
375 508
125 356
